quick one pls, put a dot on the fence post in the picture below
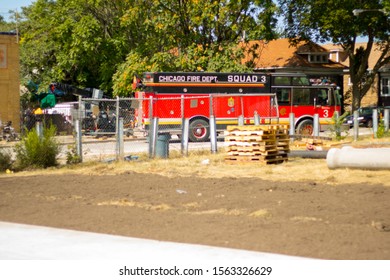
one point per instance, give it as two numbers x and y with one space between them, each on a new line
184 129
150 108
184 137
182 108
241 120
213 127
140 100
316 127
117 116
355 125
213 135
292 126
79 146
375 122
151 127
256 118
120 141
386 119
153 138
39 128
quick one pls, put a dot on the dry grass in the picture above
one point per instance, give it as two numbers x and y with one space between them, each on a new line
296 169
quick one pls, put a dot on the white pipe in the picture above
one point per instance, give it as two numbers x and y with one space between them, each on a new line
370 158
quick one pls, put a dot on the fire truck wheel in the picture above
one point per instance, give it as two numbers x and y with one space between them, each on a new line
305 127
199 130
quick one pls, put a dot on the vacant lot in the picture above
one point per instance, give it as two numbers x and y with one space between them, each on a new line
298 208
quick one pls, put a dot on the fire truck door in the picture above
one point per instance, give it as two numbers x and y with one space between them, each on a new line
320 101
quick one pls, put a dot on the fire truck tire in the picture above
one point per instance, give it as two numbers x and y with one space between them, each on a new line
199 130
305 127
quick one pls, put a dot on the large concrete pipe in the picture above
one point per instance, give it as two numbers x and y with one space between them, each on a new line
370 158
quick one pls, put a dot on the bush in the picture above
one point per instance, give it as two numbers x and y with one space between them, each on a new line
71 156
382 130
38 152
337 124
5 161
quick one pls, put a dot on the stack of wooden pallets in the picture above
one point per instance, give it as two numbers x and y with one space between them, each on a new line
267 144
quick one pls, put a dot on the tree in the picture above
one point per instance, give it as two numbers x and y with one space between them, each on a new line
102 43
6 26
77 42
192 35
334 21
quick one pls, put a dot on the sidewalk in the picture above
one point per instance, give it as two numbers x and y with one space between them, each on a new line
26 242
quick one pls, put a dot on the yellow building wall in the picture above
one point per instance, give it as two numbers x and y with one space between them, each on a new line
370 99
9 80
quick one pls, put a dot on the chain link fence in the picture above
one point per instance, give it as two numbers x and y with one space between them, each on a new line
151 127
125 128
156 125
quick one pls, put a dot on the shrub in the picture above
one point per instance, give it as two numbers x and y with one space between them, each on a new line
5 161
381 132
337 124
38 152
71 156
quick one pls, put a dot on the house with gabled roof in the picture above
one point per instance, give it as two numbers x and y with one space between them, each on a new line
280 56
379 93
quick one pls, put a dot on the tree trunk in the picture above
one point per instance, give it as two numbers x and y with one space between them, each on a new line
356 100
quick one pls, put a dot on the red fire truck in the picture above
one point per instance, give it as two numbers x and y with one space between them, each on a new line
306 96
172 97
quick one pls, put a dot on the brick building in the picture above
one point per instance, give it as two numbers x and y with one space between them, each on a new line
279 56
379 93
9 79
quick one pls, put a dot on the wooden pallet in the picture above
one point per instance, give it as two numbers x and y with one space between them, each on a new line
264 143
249 133
267 144
269 148
257 159
271 127
250 138
252 153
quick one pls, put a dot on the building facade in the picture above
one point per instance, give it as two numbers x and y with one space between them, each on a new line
379 93
9 79
280 56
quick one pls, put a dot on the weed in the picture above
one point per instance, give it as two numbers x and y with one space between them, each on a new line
71 155
337 124
5 161
381 132
35 151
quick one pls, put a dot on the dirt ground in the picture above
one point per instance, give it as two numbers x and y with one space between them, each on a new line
309 218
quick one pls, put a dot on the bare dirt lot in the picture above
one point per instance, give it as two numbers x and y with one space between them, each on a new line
298 208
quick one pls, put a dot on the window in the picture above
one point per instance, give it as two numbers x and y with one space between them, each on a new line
385 87
321 96
300 81
282 81
283 95
318 58
301 96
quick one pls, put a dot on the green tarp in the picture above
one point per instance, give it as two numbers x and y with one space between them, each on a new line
48 101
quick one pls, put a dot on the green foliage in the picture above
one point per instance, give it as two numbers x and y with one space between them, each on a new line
194 58
334 21
102 43
381 132
77 42
71 156
38 152
336 125
5 161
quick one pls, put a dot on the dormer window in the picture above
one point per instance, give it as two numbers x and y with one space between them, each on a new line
318 58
